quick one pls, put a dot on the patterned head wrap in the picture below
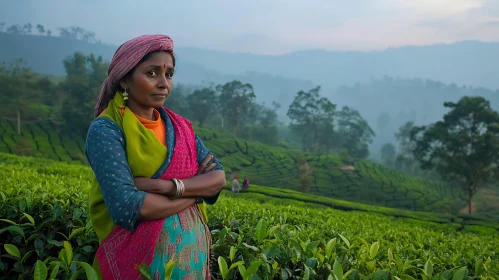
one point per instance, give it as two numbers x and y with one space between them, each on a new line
126 57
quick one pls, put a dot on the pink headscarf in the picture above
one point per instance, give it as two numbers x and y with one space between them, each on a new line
126 57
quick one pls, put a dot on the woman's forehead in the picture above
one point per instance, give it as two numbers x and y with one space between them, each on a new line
159 59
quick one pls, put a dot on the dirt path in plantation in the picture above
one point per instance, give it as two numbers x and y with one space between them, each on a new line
465 209
486 199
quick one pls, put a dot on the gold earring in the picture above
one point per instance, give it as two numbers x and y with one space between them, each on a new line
125 96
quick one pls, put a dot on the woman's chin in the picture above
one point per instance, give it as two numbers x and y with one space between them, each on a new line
158 102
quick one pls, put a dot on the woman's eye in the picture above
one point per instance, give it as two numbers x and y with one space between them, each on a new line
151 73
169 75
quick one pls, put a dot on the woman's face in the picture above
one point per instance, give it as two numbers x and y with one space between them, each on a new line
150 83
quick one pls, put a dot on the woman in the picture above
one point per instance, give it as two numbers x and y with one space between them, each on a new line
245 184
235 185
152 173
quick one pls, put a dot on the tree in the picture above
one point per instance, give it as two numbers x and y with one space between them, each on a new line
20 93
15 29
308 112
202 104
40 29
84 77
354 132
388 154
464 146
27 28
235 99
77 33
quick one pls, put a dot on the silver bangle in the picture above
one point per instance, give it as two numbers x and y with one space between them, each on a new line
177 189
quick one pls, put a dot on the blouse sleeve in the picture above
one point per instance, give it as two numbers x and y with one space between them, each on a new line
202 152
105 151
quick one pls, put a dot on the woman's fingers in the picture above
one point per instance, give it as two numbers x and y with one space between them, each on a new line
204 164
209 167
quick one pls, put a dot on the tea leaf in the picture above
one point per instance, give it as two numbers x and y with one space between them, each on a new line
460 274
373 251
89 270
345 240
222 264
337 269
32 221
428 268
76 232
12 250
40 272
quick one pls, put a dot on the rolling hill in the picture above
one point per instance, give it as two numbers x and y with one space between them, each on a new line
357 180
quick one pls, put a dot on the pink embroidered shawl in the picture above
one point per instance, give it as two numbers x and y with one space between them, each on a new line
121 250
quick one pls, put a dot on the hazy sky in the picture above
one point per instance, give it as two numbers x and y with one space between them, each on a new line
269 26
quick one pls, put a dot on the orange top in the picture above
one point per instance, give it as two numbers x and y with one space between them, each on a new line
158 126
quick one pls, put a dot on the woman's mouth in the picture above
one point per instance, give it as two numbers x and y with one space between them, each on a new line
160 95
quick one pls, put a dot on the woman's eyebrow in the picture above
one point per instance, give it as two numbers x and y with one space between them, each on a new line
159 66
154 66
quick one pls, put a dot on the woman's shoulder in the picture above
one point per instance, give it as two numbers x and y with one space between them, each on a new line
103 125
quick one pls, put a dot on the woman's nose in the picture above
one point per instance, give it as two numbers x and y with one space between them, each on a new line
163 82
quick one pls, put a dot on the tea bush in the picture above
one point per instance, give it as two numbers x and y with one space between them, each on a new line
45 233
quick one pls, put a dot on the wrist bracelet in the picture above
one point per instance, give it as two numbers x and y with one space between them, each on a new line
179 193
175 182
182 188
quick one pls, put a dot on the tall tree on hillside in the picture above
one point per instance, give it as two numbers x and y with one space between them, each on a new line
327 140
235 99
354 133
84 76
27 28
77 33
97 72
15 29
464 146
202 104
308 112
20 93
40 29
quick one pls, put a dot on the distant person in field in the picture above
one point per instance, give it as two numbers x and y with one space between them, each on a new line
235 185
246 184
153 175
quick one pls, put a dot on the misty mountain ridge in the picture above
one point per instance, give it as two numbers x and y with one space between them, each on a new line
407 83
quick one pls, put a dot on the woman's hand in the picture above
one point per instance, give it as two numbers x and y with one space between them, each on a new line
204 167
200 188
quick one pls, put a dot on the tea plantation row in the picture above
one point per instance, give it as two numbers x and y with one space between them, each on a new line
45 231
271 166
